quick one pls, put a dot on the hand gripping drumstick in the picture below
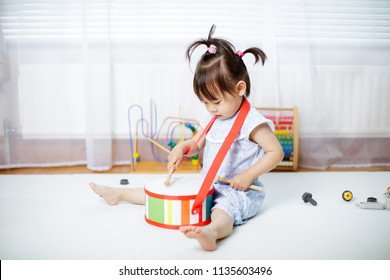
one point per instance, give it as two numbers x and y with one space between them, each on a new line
195 144
228 181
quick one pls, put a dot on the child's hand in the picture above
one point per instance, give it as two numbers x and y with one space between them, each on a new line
241 182
175 157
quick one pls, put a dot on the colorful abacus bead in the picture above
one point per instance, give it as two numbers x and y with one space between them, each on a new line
136 157
195 160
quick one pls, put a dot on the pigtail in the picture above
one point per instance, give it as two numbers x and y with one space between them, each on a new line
192 47
258 54
211 33
209 42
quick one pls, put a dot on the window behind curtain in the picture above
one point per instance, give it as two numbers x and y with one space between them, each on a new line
331 21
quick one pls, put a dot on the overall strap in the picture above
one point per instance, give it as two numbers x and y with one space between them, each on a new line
209 179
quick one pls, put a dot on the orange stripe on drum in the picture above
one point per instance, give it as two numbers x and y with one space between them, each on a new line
185 212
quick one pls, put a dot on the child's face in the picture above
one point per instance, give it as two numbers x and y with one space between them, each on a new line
226 105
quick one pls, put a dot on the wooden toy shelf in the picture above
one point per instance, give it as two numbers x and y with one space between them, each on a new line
286 130
155 167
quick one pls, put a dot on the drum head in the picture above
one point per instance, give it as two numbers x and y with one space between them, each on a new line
179 186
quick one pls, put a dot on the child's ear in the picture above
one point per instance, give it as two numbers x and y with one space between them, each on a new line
241 88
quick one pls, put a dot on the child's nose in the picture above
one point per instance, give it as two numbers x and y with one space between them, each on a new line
214 110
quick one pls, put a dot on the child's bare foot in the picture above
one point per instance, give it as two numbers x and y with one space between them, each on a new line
205 236
110 195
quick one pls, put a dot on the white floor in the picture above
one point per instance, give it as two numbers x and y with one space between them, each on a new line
59 217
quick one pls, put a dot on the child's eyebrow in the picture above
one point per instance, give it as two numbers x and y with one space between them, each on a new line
212 101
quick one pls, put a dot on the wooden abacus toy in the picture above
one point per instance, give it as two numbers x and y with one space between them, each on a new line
286 130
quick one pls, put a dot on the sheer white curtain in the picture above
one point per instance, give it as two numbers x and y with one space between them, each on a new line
97 73
74 67
56 102
331 59
334 64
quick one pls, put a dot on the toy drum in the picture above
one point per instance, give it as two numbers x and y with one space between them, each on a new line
170 207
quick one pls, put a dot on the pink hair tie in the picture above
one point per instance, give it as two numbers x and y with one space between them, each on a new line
240 53
212 49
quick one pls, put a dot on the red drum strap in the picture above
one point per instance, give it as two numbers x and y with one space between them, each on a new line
209 179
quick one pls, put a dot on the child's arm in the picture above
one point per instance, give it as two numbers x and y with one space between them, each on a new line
264 137
178 152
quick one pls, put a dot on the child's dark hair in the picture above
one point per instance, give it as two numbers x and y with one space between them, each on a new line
220 67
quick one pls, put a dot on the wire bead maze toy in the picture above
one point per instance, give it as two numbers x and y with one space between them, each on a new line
150 132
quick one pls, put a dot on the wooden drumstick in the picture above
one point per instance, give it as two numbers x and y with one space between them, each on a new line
167 181
228 181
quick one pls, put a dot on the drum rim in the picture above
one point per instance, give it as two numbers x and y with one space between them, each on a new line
154 223
175 197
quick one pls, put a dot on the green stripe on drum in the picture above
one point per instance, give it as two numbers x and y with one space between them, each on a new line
156 209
